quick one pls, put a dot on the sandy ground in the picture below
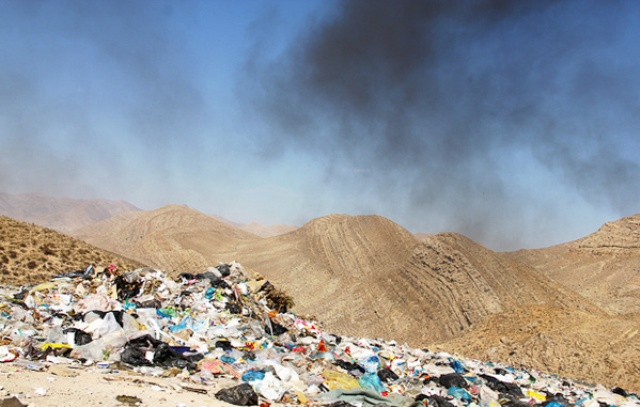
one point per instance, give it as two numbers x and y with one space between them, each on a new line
63 385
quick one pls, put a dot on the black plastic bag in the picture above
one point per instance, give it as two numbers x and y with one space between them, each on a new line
167 357
207 275
275 329
453 380
434 401
502 387
127 290
242 395
224 269
220 283
80 337
387 375
350 367
187 276
144 341
233 308
224 344
134 356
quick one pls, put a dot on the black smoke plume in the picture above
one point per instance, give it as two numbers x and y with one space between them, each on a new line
431 104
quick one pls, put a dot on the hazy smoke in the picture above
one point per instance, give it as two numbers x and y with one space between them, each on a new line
430 102
81 73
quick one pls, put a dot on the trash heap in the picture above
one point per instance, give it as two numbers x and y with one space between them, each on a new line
226 323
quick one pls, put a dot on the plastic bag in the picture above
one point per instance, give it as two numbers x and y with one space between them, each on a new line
270 387
253 375
370 363
242 395
453 380
371 381
134 357
387 375
459 394
337 380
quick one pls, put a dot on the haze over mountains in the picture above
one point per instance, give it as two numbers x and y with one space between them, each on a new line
571 309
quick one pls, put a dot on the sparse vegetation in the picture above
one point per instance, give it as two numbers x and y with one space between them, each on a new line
31 254
277 299
48 249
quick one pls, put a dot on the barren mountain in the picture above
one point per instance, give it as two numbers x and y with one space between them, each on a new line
30 253
174 238
603 266
334 267
58 213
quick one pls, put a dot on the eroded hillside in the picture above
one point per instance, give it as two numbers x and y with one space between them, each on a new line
603 266
59 213
174 238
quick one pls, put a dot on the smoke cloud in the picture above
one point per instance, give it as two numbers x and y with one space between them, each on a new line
434 103
75 79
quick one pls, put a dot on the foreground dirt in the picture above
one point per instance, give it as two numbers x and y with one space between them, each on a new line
61 385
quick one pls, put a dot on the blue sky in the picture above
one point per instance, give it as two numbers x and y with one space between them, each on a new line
515 123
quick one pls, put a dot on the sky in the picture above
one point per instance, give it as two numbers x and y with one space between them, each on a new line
514 122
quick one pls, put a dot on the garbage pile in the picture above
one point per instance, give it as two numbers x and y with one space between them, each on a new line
226 323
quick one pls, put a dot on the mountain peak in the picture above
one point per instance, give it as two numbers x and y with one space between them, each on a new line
620 234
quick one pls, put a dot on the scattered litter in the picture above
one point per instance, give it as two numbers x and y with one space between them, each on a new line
227 330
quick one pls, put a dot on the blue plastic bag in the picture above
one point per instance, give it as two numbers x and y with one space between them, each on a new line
458 367
252 375
209 293
370 364
371 381
461 394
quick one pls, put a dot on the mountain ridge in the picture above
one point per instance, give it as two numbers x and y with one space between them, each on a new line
60 213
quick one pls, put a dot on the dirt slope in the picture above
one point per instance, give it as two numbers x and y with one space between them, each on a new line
462 283
569 342
30 253
603 266
58 213
174 238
